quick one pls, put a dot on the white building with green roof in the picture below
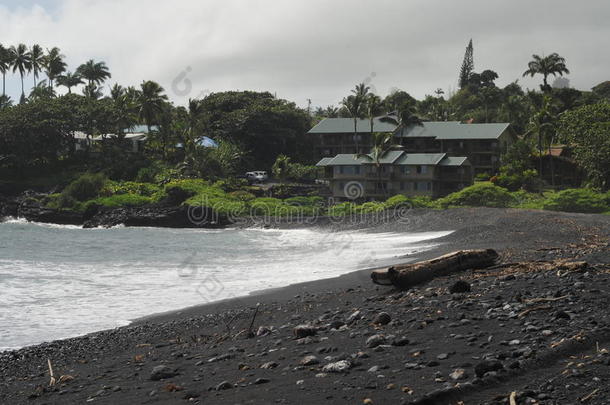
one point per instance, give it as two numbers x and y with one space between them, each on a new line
483 144
362 177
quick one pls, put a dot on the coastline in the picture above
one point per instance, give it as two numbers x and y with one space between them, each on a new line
197 332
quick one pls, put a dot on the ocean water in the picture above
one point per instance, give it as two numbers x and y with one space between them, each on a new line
64 281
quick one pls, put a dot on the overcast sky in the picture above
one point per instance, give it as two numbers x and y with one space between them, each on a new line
316 49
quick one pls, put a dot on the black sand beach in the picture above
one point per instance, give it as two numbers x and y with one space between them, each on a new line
531 326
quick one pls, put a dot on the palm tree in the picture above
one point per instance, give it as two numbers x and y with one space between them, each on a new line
94 72
373 107
41 91
54 65
6 61
404 118
37 60
5 102
382 144
193 128
92 91
69 80
116 92
124 111
542 124
150 104
546 65
21 60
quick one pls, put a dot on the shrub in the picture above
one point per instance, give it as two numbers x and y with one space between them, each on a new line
242 195
482 177
396 200
527 180
577 200
478 195
86 187
121 200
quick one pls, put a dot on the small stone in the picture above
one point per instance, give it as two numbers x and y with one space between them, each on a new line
302 331
263 331
269 365
547 332
486 366
337 367
309 360
354 317
375 341
442 356
514 342
458 374
259 381
562 315
459 286
161 372
225 385
400 341
382 318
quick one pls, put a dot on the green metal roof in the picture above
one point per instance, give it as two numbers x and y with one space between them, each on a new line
446 130
454 161
346 126
395 157
420 159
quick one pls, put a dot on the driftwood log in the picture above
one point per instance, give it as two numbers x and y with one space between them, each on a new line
409 275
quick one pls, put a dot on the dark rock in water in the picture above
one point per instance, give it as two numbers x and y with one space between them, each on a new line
382 318
375 341
161 372
487 365
225 385
459 286
302 331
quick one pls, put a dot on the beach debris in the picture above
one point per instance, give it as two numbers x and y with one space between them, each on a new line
409 275
458 374
52 380
382 318
250 332
512 399
160 372
302 331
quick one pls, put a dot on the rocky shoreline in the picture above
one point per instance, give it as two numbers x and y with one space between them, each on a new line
531 328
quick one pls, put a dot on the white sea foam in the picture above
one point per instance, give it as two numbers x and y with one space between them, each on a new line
59 282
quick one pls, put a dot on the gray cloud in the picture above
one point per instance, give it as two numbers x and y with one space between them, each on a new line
317 49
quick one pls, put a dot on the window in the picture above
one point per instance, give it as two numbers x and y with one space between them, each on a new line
422 169
406 170
341 169
414 186
429 186
357 169
402 185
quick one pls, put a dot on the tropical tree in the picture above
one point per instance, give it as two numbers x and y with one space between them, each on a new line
373 108
124 114
382 144
41 90
69 80
5 102
281 167
37 60
403 118
54 65
116 92
150 104
6 62
355 105
21 59
92 91
94 72
552 64
543 126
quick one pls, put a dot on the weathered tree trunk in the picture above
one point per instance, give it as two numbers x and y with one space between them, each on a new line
409 275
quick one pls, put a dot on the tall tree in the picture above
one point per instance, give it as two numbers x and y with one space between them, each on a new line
37 60
6 62
69 80
404 117
22 62
151 105
94 72
382 144
552 64
373 108
54 65
467 66
355 105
